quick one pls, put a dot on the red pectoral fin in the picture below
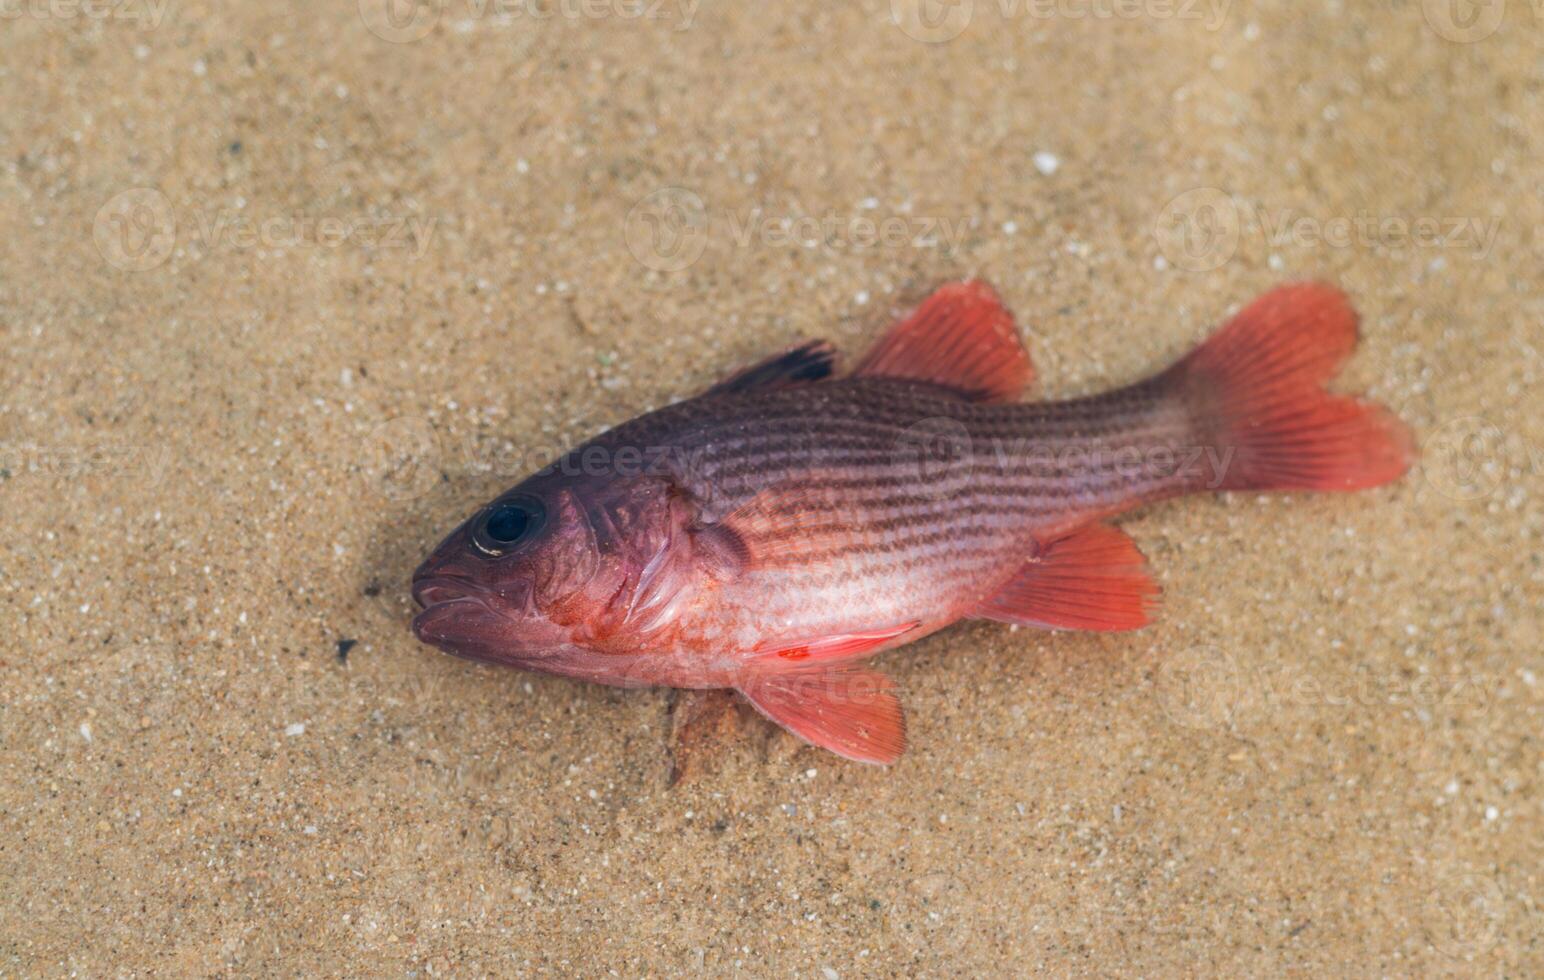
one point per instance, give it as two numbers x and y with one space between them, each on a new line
854 713
960 338
1092 579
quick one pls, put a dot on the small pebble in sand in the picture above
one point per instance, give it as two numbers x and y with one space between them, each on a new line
294 729
1491 813
1047 163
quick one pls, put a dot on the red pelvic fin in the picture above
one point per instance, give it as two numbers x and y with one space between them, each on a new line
960 338
1092 579
852 712
1254 389
810 361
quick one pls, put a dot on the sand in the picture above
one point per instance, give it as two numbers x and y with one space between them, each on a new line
286 290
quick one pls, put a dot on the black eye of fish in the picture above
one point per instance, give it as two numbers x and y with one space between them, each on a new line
509 523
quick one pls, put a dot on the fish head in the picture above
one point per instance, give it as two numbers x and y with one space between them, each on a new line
553 570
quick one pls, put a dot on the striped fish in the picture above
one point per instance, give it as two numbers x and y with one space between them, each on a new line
769 534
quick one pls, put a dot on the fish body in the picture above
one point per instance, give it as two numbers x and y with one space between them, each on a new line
770 533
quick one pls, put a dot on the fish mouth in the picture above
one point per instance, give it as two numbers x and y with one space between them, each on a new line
435 589
462 618
452 611
454 624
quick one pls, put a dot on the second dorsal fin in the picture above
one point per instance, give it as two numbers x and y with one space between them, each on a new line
961 338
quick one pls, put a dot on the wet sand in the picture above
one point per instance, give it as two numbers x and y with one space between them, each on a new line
286 291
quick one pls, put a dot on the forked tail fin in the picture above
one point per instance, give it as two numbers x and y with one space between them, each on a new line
1255 392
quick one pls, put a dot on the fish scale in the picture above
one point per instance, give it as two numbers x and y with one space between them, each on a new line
790 523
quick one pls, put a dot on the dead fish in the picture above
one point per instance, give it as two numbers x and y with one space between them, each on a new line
770 533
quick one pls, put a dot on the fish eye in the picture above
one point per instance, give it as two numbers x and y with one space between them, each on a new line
507 524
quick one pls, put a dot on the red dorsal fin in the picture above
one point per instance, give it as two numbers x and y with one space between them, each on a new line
1254 392
852 712
1092 579
960 338
812 360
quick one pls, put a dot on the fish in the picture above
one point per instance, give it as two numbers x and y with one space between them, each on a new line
772 533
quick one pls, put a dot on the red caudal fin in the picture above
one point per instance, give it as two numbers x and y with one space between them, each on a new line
1092 579
961 338
1254 391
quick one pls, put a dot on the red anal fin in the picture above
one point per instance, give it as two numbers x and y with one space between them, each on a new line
1092 579
854 713
960 338
1255 393
841 646
810 361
